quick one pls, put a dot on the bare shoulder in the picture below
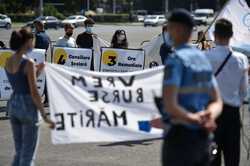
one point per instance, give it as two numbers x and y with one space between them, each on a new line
30 64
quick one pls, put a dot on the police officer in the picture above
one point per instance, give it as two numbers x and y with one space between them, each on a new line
190 97
231 70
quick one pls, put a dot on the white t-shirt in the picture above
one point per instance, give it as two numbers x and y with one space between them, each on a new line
66 42
233 78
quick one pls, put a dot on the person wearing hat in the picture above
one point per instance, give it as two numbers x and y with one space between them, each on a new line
85 39
67 40
190 96
231 71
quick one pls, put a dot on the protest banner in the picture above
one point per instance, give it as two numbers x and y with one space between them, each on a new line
5 88
121 60
102 107
73 57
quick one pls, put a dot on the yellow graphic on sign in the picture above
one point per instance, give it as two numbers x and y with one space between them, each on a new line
109 57
60 56
3 57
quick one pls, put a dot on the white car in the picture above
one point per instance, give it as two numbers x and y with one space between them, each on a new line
203 16
154 20
5 21
76 20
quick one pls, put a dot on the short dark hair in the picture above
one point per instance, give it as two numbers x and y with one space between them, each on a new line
19 38
89 21
39 23
67 26
183 17
223 28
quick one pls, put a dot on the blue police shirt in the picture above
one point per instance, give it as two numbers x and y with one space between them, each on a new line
189 70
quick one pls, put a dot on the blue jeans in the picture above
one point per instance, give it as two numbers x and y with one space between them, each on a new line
23 118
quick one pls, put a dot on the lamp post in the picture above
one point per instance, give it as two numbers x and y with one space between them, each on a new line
166 7
88 5
114 6
41 7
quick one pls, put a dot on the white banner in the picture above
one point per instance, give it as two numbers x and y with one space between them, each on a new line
121 60
238 12
5 88
102 107
73 57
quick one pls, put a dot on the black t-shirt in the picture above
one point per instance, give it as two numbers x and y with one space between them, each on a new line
84 40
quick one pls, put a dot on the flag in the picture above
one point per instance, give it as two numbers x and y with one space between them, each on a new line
238 12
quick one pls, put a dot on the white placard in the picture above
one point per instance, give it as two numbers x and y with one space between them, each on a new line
121 60
5 88
73 57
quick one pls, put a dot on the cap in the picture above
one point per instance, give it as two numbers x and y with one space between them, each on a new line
182 16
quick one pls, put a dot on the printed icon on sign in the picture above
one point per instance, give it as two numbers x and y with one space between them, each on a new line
3 57
246 20
60 56
144 126
109 57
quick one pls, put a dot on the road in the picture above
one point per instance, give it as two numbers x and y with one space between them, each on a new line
101 154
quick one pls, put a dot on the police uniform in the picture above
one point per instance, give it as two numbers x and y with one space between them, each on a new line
233 83
190 71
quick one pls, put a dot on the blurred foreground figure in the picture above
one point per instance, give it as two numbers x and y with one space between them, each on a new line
191 98
25 99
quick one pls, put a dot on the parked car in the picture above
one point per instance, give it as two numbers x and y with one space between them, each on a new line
154 20
76 20
203 16
140 15
49 22
5 21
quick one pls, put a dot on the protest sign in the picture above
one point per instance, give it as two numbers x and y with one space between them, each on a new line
121 60
73 57
5 88
102 107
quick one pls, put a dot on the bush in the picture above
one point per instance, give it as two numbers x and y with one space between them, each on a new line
21 17
50 10
3 9
111 18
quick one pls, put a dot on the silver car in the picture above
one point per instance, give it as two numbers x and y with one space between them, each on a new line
5 21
